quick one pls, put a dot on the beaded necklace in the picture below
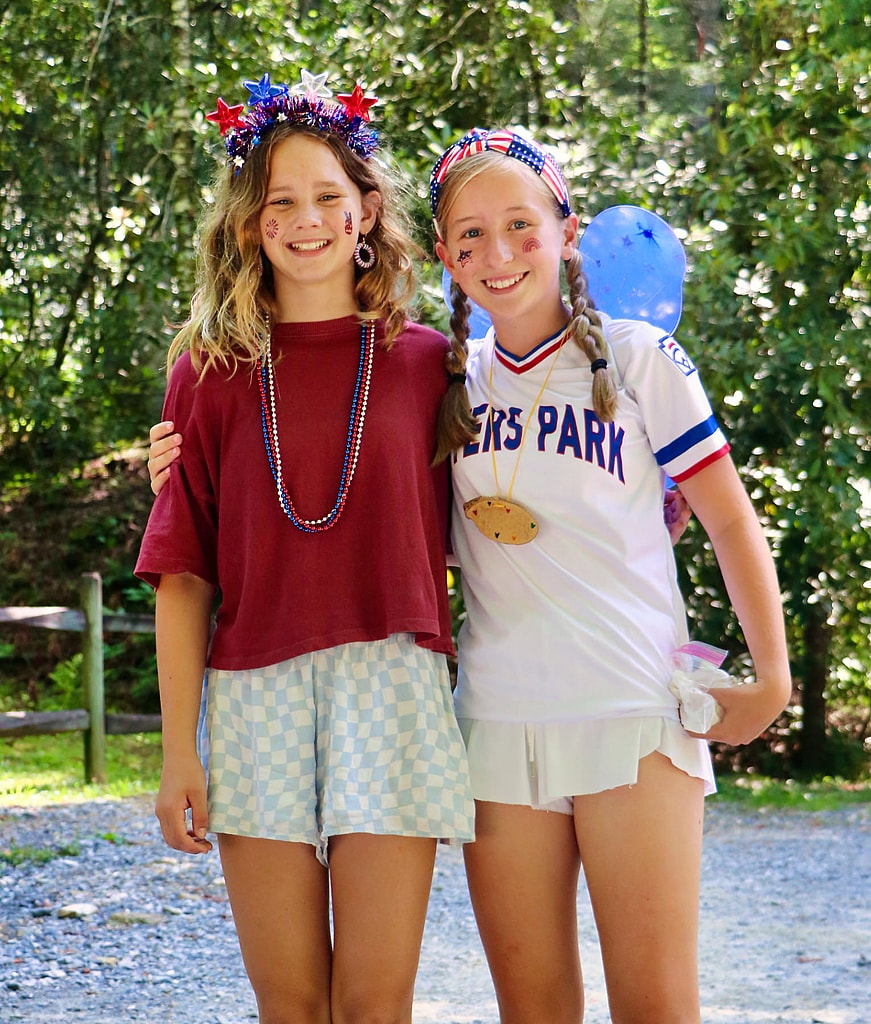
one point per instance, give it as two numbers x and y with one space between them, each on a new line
269 423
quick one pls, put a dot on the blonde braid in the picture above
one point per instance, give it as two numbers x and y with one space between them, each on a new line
585 327
456 425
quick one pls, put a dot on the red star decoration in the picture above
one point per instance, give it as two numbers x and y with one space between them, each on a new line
226 117
357 104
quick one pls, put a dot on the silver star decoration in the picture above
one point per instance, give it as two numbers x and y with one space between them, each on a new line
311 86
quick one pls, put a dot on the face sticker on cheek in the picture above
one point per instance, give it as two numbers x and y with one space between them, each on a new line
530 245
464 257
349 223
270 228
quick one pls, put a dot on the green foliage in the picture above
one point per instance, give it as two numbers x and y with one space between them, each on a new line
67 680
826 794
90 520
779 312
745 124
49 769
17 855
115 839
96 223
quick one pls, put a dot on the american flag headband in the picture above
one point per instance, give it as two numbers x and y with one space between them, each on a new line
478 140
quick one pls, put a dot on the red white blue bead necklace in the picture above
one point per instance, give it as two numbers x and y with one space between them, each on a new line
269 422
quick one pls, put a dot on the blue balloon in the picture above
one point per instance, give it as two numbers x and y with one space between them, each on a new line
635 266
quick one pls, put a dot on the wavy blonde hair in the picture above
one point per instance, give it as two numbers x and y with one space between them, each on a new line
234 297
457 426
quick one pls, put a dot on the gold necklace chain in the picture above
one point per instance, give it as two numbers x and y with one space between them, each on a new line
523 433
501 519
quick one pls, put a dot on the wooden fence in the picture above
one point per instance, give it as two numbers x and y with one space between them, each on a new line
92 720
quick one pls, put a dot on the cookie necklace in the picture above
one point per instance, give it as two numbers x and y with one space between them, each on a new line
498 518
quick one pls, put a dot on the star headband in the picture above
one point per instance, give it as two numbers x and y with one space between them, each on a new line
307 103
478 140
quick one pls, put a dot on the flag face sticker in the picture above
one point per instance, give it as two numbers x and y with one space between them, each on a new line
676 354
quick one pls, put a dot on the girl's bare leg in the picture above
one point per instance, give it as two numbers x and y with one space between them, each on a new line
380 887
523 878
280 900
641 849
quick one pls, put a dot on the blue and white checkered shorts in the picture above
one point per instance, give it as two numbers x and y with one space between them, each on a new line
356 738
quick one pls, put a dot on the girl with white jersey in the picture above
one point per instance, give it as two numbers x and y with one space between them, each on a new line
561 441
560 444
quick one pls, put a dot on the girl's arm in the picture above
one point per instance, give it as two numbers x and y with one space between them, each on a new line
717 496
163 451
182 617
165 448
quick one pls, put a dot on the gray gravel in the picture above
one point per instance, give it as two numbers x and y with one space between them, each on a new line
785 937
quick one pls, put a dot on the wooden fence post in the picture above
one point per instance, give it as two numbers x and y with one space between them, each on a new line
92 677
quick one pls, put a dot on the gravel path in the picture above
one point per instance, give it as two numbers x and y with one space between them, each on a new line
785 936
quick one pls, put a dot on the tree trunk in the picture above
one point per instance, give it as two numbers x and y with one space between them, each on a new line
642 60
708 18
181 114
812 754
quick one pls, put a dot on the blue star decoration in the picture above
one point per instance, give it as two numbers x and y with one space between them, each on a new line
648 234
263 91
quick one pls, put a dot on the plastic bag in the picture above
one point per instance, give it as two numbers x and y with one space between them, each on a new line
697 670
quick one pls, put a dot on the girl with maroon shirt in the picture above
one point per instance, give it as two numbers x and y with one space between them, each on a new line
306 500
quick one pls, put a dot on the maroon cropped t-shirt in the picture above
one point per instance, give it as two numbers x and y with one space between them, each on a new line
381 569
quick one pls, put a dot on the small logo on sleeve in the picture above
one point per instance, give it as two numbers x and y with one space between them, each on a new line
676 354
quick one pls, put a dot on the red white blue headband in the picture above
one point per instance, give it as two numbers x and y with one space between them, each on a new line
479 140
307 103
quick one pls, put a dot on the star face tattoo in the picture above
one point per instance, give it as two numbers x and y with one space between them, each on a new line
271 228
530 245
464 257
349 223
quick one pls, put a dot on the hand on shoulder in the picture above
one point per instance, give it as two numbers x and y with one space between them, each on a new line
164 449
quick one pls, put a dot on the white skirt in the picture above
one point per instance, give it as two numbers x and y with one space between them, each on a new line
544 764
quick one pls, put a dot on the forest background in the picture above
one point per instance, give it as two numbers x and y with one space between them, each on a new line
747 125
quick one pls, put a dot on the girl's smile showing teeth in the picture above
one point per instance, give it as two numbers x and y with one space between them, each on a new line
503 282
307 246
505 242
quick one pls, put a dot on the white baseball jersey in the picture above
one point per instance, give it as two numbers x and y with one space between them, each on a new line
581 622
